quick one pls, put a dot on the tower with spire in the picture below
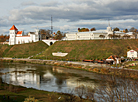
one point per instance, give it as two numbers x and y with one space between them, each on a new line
109 29
13 31
17 37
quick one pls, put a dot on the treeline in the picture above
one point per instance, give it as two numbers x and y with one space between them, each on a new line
46 34
86 29
3 38
132 29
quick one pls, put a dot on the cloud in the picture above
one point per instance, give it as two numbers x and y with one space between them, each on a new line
89 10
71 14
51 4
28 3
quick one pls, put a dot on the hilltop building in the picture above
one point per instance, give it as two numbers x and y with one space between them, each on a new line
98 34
18 37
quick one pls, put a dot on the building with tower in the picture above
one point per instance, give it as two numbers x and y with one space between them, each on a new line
18 37
92 35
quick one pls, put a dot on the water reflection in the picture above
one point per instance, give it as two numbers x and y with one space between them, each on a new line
45 77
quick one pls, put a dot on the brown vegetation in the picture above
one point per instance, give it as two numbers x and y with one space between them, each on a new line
89 49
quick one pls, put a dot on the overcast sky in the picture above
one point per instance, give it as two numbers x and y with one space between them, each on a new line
68 15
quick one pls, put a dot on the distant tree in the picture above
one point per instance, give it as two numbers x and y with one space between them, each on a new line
110 36
114 36
3 38
102 36
93 29
126 36
83 29
58 35
116 29
125 30
136 31
117 36
132 29
45 34
78 29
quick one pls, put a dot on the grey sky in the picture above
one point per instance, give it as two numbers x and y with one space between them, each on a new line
68 15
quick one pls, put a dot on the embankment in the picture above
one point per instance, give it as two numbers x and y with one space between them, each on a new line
89 49
23 50
97 68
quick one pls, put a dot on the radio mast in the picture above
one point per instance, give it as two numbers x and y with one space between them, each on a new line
51 26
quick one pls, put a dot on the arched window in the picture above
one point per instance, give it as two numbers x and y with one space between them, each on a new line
51 43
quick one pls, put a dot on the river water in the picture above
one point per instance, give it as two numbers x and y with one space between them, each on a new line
59 79
46 77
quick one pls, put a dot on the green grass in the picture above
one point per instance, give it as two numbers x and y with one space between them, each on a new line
4 49
25 50
42 96
89 49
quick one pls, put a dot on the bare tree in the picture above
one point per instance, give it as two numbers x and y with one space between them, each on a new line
117 90
45 33
102 36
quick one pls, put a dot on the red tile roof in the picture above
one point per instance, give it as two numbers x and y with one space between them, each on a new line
112 57
19 32
13 28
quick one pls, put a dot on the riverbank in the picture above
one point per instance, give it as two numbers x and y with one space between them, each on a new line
11 93
97 68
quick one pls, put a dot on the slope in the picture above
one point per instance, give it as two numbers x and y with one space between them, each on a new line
26 50
89 49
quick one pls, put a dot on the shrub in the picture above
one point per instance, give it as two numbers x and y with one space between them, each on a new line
96 70
104 70
31 99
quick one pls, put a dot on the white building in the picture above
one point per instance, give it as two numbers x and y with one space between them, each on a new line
132 54
92 34
17 37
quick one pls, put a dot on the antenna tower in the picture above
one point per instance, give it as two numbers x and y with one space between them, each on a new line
51 26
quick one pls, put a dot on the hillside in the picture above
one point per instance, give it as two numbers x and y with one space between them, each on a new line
24 50
4 49
90 49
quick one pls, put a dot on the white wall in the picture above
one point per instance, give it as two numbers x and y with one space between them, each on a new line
23 39
48 41
132 54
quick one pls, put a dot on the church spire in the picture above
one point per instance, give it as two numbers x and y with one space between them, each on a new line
108 23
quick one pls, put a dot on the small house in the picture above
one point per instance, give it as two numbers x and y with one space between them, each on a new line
113 59
132 54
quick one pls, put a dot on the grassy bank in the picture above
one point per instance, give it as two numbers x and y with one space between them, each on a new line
23 50
4 49
11 93
89 49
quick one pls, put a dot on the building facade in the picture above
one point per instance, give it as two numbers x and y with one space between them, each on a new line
132 54
91 35
18 37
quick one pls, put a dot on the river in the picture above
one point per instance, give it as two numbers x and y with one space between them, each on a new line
46 77
59 79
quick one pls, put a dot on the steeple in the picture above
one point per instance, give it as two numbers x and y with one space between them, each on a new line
108 23
13 28
109 28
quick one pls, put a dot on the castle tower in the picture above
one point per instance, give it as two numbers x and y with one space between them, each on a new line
12 32
37 35
109 29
